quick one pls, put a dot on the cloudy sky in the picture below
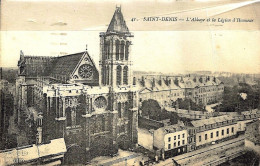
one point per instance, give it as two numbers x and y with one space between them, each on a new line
53 28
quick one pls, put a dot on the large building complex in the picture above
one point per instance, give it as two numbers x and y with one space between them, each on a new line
67 97
165 89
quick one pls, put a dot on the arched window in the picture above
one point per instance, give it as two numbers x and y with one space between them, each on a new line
117 49
108 49
107 73
127 50
119 110
125 75
122 50
103 76
105 51
118 75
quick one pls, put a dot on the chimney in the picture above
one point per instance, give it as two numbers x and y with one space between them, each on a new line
160 82
181 79
142 81
153 83
134 81
169 81
176 81
201 79
214 79
195 79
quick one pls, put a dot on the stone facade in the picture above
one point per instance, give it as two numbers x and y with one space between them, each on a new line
65 99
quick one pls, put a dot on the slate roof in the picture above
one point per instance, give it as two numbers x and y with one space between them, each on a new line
198 123
35 65
183 82
117 24
174 128
65 65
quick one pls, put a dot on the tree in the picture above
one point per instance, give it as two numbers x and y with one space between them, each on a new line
151 108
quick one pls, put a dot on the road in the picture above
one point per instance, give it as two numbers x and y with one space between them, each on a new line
209 154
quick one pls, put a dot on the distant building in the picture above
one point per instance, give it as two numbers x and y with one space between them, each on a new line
165 89
67 97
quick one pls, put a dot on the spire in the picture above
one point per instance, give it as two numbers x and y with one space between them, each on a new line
117 23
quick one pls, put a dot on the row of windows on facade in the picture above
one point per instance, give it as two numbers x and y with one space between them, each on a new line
122 50
217 133
202 90
175 145
179 136
218 124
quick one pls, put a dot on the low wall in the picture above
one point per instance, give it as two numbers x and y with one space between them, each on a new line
149 123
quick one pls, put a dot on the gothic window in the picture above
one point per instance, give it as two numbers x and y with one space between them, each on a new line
118 75
108 50
119 110
122 50
127 50
107 73
103 76
125 74
117 50
105 51
68 117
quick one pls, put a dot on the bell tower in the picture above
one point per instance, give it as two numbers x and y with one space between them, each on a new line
115 60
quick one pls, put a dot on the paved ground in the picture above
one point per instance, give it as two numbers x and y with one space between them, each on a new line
124 158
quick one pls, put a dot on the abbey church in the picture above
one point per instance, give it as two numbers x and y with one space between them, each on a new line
93 109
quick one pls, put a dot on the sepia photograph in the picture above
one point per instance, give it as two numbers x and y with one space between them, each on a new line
130 82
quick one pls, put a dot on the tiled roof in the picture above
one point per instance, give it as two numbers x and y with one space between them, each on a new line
159 84
36 65
117 23
64 65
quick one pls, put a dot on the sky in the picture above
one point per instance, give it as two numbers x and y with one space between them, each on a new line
46 29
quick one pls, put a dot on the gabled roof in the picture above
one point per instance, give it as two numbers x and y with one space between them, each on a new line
65 65
117 24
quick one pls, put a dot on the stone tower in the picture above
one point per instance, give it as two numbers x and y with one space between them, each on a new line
115 60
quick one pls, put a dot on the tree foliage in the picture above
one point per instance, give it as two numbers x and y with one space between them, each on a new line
233 102
188 104
151 108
